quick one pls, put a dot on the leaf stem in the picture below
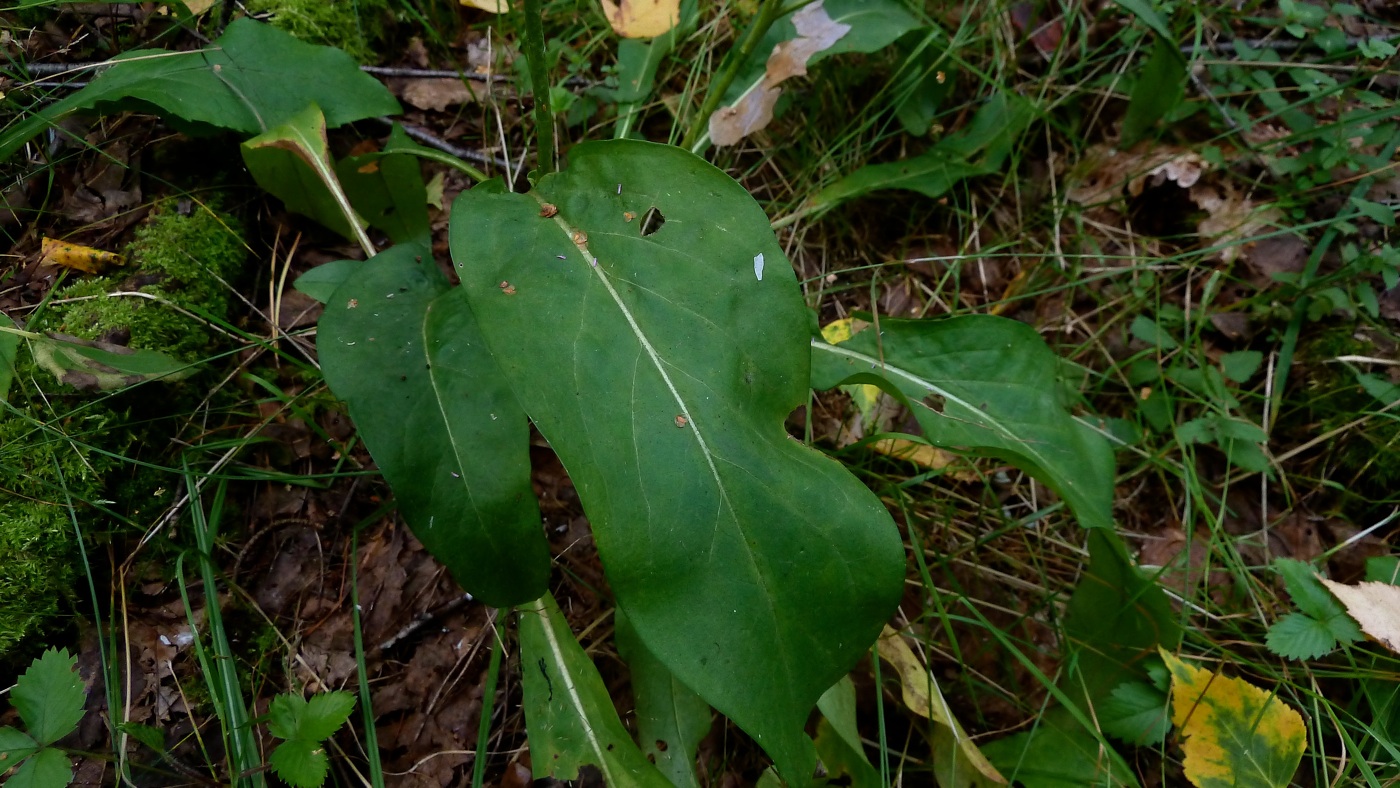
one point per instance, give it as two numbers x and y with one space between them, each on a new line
768 13
539 83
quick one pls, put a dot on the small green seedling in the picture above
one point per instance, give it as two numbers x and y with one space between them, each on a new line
49 698
304 725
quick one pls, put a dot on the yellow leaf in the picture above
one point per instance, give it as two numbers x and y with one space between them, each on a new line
1375 606
1235 733
494 6
642 18
83 258
922 696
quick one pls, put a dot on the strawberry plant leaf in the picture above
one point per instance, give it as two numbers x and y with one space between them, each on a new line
49 696
1300 636
294 717
985 385
570 713
660 358
1136 712
15 745
1236 733
300 763
401 347
238 83
48 768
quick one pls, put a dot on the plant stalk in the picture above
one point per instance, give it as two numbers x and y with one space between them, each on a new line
768 13
539 83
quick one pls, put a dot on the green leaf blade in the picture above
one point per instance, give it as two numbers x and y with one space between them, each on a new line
402 348
662 377
49 696
570 713
300 763
49 768
982 384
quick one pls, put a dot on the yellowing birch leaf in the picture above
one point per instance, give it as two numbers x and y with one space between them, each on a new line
1235 733
1375 606
816 32
642 18
493 6
82 258
957 759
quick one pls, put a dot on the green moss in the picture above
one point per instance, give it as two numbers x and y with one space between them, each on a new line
184 261
351 25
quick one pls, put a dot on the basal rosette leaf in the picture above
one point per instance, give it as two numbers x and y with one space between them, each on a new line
401 347
661 367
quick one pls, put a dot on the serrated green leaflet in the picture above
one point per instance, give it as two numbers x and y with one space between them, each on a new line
400 346
571 716
661 368
982 384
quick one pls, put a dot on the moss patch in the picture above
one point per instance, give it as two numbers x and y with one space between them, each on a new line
351 25
48 456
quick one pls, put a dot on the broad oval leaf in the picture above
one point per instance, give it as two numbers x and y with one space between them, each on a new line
400 346
661 368
983 384
568 708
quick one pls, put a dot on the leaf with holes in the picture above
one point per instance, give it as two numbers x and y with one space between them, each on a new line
661 368
402 348
570 713
984 385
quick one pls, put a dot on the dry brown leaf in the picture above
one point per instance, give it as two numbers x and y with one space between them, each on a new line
816 32
493 6
438 94
1375 606
642 18
1231 218
1107 172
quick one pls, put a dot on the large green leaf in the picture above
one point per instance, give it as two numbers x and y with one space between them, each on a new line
986 385
400 346
568 708
253 78
661 368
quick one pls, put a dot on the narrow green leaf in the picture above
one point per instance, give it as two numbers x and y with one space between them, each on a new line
671 718
387 189
292 162
300 763
402 348
91 365
984 385
1159 89
980 149
661 368
48 768
568 709
239 83
1148 14
49 696
837 740
9 353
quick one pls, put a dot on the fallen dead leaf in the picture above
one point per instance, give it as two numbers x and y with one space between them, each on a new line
77 256
438 94
816 32
1106 172
641 18
1231 218
493 6
1375 606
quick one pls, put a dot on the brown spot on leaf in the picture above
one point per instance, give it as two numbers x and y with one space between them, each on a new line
548 210
681 420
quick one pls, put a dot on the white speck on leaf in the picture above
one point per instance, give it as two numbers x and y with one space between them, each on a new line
758 266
